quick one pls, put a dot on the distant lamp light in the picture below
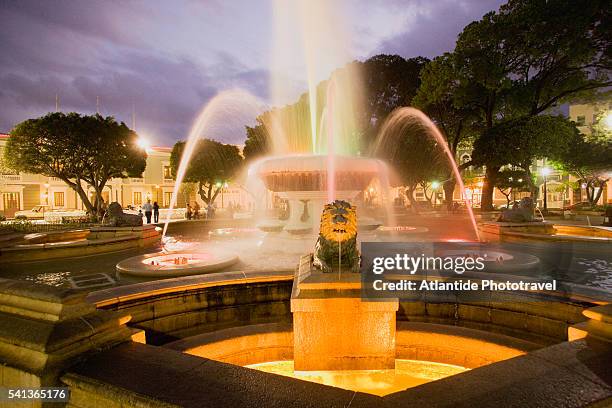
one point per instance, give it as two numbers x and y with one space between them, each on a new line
545 171
435 185
218 184
583 185
371 190
46 185
225 185
607 120
157 186
480 184
143 143
520 180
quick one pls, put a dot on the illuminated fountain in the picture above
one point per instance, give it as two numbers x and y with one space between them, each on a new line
303 181
181 263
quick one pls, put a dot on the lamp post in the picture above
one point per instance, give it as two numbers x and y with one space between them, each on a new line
545 171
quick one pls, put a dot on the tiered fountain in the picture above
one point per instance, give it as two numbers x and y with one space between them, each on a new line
303 180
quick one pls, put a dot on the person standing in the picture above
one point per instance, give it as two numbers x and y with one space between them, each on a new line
148 210
188 211
155 212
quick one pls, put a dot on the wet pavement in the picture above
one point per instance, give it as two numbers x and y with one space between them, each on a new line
583 264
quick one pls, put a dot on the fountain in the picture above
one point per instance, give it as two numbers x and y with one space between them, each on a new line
303 181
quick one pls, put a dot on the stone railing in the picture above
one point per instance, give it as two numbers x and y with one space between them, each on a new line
10 177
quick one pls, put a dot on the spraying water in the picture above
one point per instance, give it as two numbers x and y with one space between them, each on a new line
220 109
331 151
401 118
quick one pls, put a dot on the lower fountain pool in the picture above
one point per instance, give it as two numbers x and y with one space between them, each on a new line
407 374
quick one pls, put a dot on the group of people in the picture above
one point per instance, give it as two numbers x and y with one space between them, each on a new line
151 210
193 212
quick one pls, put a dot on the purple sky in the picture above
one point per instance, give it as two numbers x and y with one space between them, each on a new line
168 58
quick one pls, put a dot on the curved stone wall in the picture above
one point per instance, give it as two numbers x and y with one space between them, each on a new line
414 341
172 309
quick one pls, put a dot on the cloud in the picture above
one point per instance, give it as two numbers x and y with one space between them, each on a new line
169 61
431 28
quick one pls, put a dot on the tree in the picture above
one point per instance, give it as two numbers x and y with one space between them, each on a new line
590 158
390 82
77 149
510 181
520 142
187 189
257 143
530 57
412 153
436 97
212 165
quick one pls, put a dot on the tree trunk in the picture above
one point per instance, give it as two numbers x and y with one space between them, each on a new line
486 203
83 196
449 191
601 185
410 195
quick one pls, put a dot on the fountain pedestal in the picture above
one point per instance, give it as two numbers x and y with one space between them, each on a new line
334 328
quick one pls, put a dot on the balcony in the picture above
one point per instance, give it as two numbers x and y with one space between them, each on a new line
10 177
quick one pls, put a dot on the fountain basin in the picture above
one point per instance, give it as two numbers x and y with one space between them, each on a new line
176 264
309 172
544 231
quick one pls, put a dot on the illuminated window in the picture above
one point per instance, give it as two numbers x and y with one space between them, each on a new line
58 198
167 198
167 172
137 198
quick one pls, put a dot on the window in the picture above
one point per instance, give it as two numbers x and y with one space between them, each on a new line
580 120
167 198
58 198
167 172
137 198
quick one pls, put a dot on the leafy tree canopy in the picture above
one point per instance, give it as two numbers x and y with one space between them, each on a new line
212 165
76 148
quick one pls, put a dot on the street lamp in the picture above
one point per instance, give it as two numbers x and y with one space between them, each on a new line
143 143
434 186
545 171
607 120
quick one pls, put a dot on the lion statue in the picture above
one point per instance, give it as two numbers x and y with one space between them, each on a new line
115 217
521 212
336 246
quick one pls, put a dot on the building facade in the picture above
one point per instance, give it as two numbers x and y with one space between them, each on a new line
23 191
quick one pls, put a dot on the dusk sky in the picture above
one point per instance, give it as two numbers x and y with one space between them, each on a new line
169 58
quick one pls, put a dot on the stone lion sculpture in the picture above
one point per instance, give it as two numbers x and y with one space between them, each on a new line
336 246
521 212
115 217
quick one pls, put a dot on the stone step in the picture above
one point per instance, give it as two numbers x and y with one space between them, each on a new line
600 313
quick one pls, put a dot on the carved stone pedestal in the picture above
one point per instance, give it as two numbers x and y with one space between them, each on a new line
334 329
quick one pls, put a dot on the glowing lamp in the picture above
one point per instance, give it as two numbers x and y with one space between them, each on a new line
435 184
143 143
607 121
545 171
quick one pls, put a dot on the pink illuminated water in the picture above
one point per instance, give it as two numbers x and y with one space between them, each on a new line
331 162
225 106
400 119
